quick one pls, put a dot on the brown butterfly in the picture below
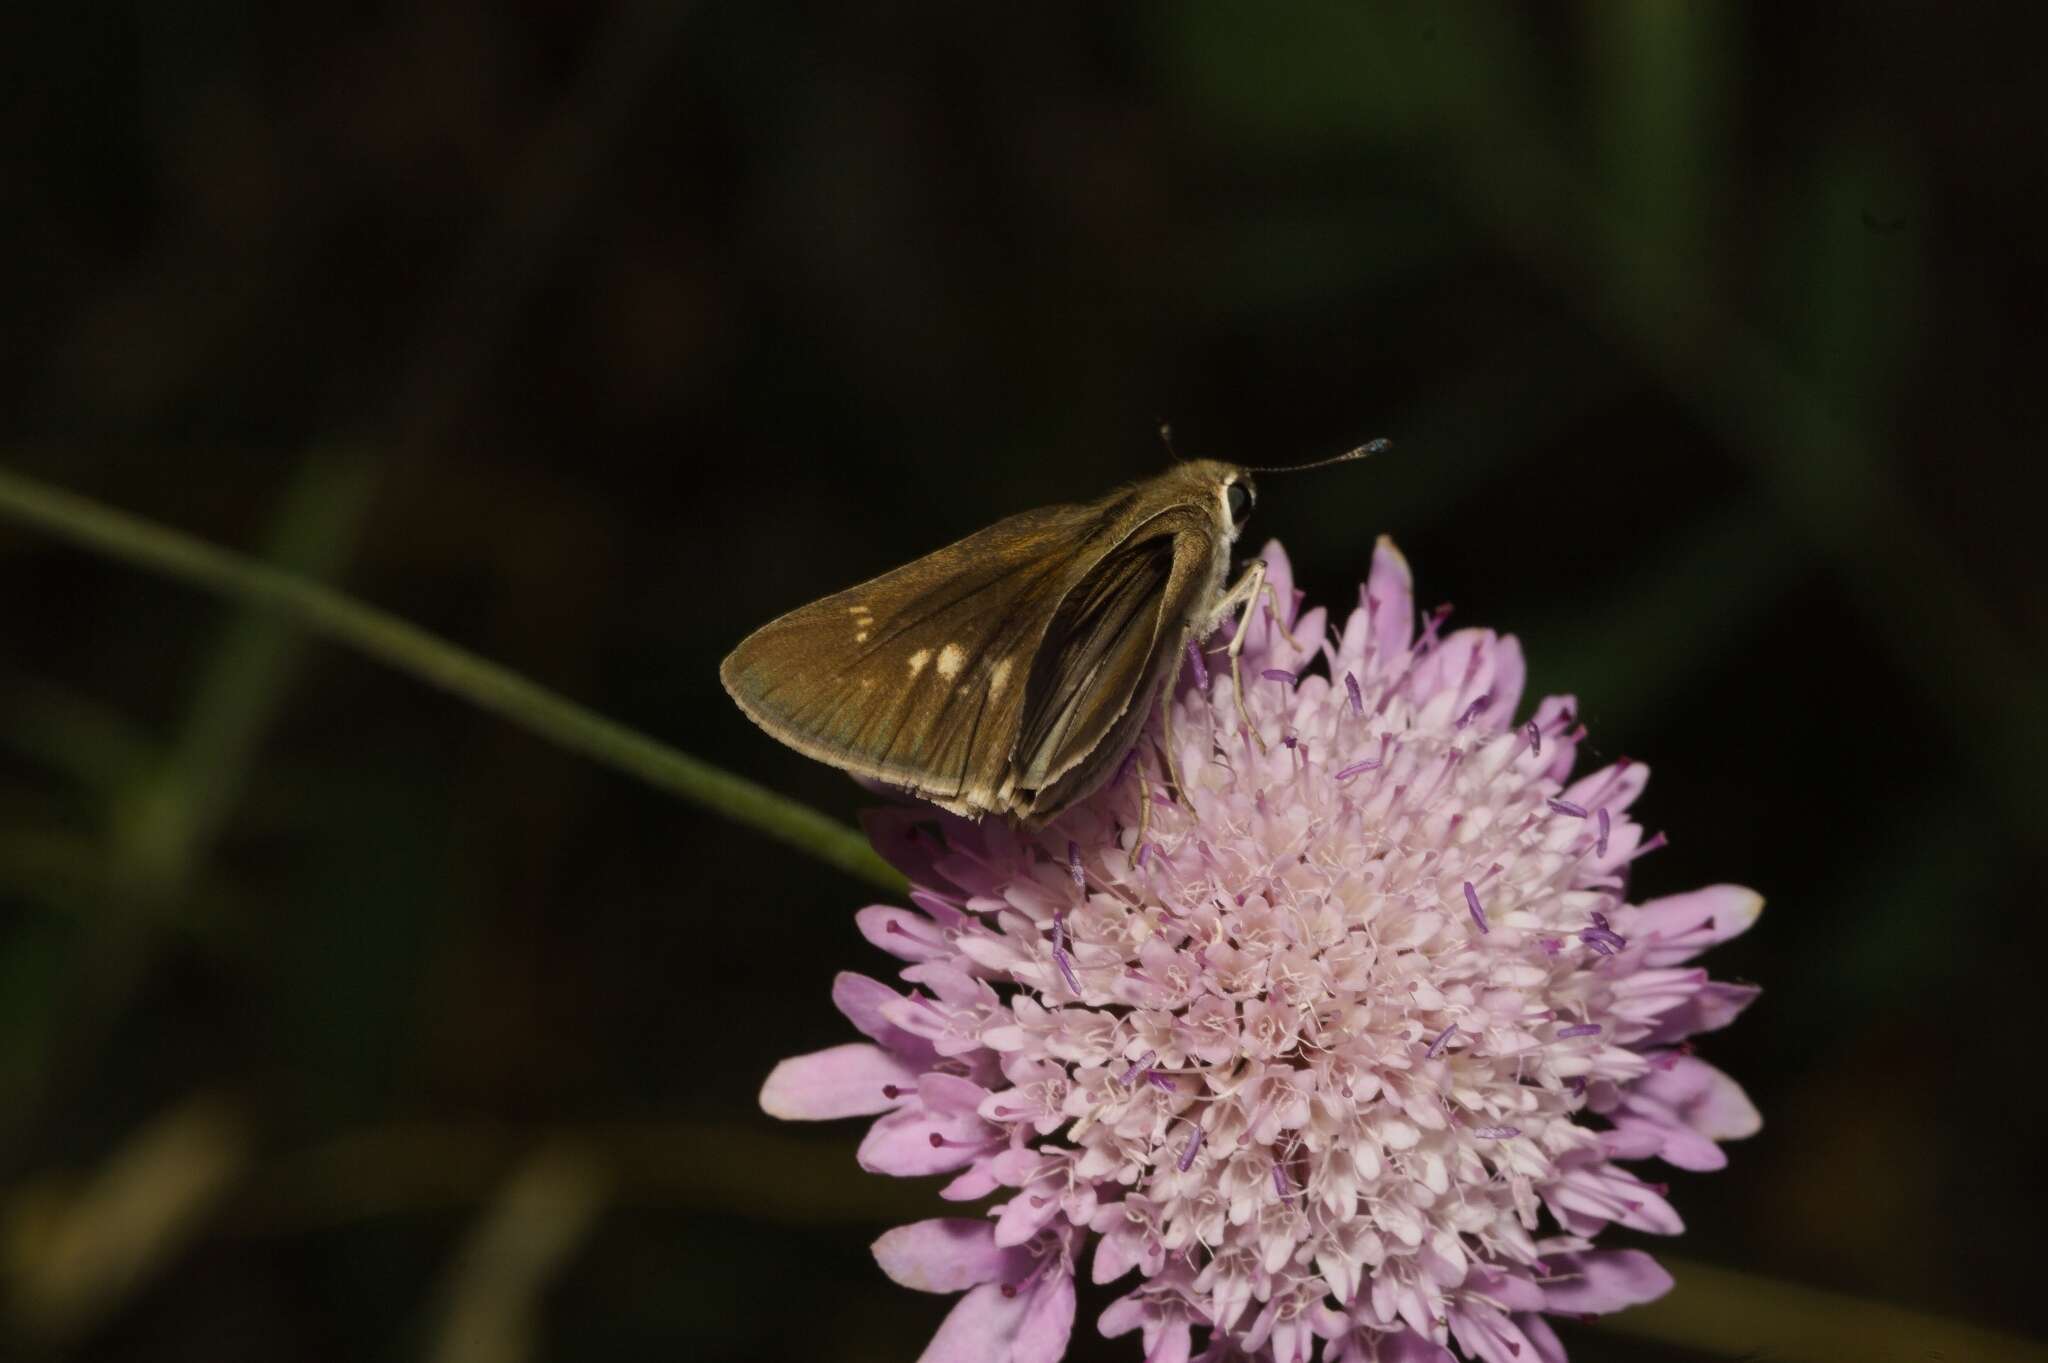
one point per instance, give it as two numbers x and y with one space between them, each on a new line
1009 673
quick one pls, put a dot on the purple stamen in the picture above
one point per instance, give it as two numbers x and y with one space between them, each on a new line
1535 740
1281 1186
1279 674
1287 741
1346 773
1580 1029
1124 767
1432 625
1059 952
1600 920
1551 946
1201 668
1472 710
1603 940
891 1092
1566 807
1136 1065
1600 843
1187 1156
1443 1039
1351 689
1496 1133
1159 1081
1652 845
1074 866
1144 854
1577 1084
1472 903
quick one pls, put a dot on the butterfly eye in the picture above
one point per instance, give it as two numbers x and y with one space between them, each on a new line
1237 497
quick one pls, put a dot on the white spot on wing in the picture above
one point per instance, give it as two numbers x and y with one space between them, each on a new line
951 660
861 637
918 660
997 675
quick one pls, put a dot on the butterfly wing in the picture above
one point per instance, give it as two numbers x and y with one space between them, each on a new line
917 678
1110 644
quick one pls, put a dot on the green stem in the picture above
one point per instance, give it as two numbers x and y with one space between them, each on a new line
439 663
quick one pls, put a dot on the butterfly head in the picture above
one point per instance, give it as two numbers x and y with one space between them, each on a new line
1224 490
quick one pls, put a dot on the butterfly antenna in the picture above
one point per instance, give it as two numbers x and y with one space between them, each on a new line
1370 447
1166 439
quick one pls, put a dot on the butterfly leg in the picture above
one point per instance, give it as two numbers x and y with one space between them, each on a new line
1166 745
1278 616
1242 597
1144 817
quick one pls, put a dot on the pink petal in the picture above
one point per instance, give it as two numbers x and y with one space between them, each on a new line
1560 750
972 1184
1549 1349
1510 675
1600 1281
862 1001
903 934
951 1095
901 1144
843 1081
1114 1257
1488 1334
948 1254
1709 1101
1612 788
1678 927
1123 1315
1646 1129
1391 586
1476 664
1280 572
989 1327
896 834
1168 1338
1409 1347
1712 1007
1050 1321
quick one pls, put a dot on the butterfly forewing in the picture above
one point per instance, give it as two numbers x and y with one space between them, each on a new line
918 677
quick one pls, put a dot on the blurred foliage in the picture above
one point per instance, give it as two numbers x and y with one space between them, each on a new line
339 1020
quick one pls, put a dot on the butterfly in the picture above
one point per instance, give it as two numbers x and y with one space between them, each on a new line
1010 672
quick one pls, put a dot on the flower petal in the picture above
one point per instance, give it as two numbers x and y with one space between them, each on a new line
1709 1101
1409 1347
948 1254
1713 1006
1390 598
841 1081
1549 1348
1678 927
862 1000
1600 1281
901 1144
903 934
991 1327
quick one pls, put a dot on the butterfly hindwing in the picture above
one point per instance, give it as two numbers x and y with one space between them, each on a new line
1105 650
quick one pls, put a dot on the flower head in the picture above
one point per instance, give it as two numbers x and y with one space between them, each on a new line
1343 1050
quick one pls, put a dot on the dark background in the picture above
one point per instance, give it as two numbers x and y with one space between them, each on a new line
339 1021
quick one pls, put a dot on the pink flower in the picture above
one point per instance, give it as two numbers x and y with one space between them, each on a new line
1349 1057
